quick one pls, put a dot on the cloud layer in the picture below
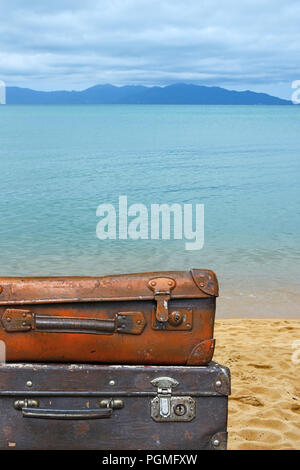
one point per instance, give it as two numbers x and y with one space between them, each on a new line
75 44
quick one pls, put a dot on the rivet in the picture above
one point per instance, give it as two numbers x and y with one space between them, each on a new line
138 322
24 315
202 285
218 383
153 283
216 443
28 383
188 325
112 383
24 323
170 283
8 319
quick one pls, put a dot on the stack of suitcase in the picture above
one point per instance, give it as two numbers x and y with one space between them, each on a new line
116 362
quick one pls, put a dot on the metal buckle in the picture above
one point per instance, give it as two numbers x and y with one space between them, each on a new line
162 287
166 407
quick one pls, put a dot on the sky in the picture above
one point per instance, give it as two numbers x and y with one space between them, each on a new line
75 44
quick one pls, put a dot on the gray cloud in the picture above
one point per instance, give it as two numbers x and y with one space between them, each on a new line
74 44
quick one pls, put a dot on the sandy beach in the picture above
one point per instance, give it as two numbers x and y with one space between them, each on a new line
264 359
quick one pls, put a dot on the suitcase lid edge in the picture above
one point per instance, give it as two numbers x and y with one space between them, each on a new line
196 283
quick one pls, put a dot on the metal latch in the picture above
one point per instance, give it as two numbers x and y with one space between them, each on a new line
26 403
162 286
114 404
166 407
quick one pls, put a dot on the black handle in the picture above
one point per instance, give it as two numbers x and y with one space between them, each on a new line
41 413
30 409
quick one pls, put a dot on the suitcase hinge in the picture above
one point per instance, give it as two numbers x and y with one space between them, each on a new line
165 407
162 287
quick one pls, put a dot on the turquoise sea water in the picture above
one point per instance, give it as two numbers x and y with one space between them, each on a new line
58 163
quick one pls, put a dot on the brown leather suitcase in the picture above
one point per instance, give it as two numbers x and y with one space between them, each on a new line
88 406
151 318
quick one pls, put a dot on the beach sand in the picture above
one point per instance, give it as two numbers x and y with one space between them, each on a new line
264 358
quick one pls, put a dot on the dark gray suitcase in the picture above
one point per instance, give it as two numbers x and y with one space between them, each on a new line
84 406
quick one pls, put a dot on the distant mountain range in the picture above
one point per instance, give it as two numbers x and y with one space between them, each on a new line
173 94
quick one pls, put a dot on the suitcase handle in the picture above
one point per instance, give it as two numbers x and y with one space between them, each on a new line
17 320
41 413
30 409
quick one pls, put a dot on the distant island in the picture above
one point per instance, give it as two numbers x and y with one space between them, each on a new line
172 94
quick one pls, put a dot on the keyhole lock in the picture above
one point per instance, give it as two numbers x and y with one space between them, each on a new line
180 409
175 318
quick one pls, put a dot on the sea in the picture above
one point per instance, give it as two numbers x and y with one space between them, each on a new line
242 163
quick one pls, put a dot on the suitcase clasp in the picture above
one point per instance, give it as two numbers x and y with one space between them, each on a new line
166 407
162 287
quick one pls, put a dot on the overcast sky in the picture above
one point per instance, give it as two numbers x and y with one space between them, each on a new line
74 44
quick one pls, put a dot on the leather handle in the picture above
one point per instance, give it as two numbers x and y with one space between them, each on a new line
17 320
41 413
77 325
